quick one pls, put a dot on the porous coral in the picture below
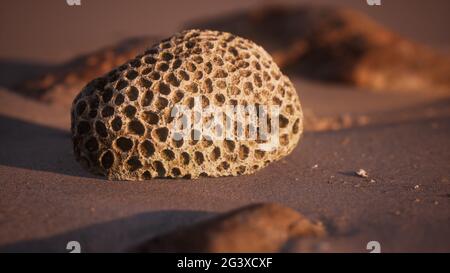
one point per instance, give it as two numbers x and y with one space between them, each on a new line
123 125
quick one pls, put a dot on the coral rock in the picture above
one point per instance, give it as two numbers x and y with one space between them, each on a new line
123 125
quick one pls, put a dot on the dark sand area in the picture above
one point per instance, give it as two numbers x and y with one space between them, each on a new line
47 199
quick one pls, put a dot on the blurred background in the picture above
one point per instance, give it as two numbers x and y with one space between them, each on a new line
49 49
374 87
52 32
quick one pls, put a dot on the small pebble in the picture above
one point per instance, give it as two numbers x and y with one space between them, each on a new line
362 173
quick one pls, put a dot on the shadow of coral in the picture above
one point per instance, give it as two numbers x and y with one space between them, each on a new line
37 147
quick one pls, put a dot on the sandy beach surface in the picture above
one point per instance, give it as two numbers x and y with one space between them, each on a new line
47 199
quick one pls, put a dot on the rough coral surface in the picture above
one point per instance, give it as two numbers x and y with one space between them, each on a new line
122 126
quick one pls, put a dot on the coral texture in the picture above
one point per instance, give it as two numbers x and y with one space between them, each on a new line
123 125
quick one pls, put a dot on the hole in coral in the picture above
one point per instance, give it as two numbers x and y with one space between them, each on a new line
143 82
130 111
149 60
107 95
199 158
248 87
107 159
283 121
168 154
284 140
208 67
146 175
81 106
178 143
176 64
176 172
124 144
147 148
91 144
295 127
259 154
121 84
193 88
107 111
178 96
277 101
191 67
116 124
198 75
159 167
220 99
233 51
161 134
189 44
161 103
240 170
100 128
198 59
185 158
136 127
258 80
229 145
221 84
184 75
205 101
208 85
155 75
163 88
131 75
119 99
225 165
134 163
221 74
243 152
173 80
215 154
132 93
135 63
162 67
151 117
151 51
147 98
83 127
166 56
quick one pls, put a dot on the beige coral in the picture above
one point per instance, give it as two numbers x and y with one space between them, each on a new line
122 125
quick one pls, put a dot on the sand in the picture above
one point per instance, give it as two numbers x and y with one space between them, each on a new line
47 199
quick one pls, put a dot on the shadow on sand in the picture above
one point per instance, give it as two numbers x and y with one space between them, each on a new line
37 147
112 236
12 72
